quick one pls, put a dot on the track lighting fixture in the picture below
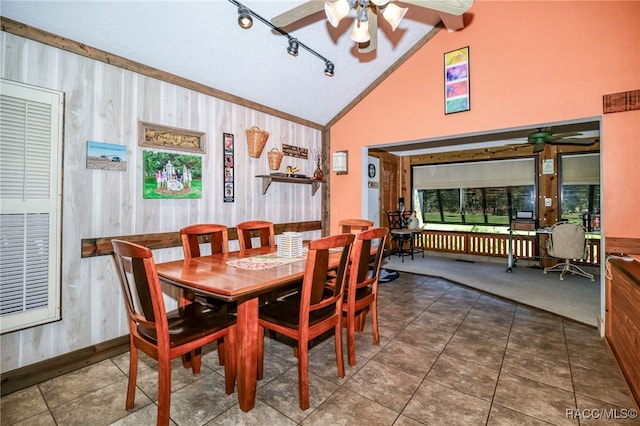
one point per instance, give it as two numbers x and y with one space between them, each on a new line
293 47
244 17
328 70
245 20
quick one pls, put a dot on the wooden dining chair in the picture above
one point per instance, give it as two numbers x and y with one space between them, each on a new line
316 309
260 228
217 237
361 294
353 226
166 335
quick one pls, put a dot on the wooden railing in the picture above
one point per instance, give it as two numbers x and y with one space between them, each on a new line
496 245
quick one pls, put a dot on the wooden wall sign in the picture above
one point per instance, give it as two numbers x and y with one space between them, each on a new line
295 151
622 101
163 137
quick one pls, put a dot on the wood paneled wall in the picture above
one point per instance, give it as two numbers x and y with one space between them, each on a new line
105 103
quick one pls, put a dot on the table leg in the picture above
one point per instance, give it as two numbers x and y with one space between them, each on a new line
510 252
411 246
247 330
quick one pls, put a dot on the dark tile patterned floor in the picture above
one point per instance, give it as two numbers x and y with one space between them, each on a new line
448 355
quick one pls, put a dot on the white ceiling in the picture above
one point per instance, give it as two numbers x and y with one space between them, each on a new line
201 41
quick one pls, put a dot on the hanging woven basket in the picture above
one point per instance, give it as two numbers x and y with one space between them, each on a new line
256 140
275 158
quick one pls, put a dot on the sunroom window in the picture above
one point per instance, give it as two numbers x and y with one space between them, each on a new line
477 195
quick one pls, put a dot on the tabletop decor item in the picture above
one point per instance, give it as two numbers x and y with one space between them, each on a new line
289 244
256 140
318 157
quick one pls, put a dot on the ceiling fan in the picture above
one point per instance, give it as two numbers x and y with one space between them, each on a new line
541 137
365 29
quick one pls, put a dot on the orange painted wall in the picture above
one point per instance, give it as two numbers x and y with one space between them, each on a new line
530 63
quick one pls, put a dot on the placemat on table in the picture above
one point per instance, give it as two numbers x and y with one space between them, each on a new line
264 261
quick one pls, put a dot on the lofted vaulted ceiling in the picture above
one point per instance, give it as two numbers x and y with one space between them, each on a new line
202 41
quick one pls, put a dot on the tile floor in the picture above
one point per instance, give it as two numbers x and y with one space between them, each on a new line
448 355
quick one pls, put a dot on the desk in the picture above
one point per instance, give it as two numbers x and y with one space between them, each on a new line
210 275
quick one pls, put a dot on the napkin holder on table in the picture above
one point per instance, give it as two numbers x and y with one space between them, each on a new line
289 244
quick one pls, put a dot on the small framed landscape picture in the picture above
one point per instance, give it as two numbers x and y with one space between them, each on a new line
106 156
456 80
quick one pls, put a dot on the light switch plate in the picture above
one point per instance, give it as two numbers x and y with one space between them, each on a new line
547 202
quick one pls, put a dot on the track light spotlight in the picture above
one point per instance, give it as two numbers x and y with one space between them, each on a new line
328 70
293 47
245 20
244 17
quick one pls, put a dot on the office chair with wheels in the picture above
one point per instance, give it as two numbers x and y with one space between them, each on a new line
567 242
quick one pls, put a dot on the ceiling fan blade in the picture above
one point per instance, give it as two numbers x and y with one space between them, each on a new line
452 22
452 7
576 141
557 136
297 13
372 44
538 146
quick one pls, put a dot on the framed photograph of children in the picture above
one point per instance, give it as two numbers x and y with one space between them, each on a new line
171 175
456 81
228 178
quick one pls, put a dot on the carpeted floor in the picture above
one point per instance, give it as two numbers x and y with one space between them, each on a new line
576 298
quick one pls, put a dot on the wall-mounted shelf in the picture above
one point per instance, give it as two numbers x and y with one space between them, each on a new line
267 179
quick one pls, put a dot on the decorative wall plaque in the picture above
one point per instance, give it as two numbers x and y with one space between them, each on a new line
622 101
163 137
295 151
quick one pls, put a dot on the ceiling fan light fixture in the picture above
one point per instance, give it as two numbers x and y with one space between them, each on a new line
336 10
293 47
328 69
363 13
539 136
244 17
360 32
393 15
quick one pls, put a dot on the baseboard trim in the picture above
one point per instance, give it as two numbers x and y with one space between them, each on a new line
39 372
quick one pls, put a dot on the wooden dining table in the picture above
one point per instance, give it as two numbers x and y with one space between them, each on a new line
213 276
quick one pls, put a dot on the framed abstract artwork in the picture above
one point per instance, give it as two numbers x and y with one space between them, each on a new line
456 81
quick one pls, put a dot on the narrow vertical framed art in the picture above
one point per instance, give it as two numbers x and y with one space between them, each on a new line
228 178
456 81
